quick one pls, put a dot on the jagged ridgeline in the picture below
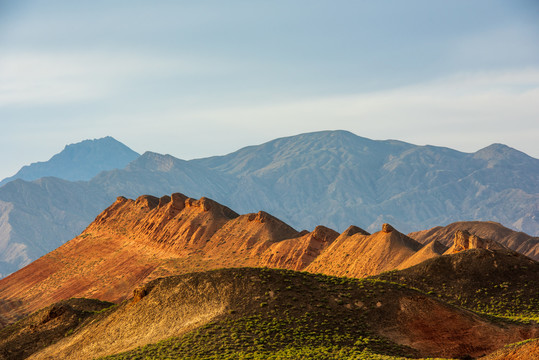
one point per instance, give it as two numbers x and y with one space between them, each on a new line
469 298
135 241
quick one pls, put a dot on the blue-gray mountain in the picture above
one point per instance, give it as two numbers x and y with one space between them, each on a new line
334 178
80 161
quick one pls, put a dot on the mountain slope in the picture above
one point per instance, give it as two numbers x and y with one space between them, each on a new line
334 178
501 282
158 174
230 312
360 255
518 241
135 241
80 161
520 351
46 326
41 215
344 177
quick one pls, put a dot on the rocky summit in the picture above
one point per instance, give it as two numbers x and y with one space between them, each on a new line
79 161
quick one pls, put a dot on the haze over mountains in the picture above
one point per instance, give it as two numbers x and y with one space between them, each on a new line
334 178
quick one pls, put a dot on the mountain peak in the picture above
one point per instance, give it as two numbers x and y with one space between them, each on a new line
155 162
79 161
89 142
499 153
387 228
352 230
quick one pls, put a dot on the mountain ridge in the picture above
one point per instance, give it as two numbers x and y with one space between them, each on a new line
79 161
334 178
208 267
517 241
135 241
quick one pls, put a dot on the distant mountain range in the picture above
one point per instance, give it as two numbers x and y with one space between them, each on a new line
334 178
80 161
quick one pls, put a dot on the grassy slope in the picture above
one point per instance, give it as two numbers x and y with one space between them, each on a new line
499 283
299 316
283 314
48 325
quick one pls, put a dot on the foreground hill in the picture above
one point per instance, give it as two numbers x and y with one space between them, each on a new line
500 282
333 178
46 326
259 313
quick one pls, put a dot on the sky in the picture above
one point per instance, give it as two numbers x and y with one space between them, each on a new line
201 78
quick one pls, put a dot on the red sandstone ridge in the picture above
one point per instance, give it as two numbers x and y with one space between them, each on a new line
174 223
297 254
248 236
514 240
428 251
462 241
134 241
466 241
357 254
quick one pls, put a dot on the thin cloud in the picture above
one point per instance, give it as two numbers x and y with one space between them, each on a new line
452 111
29 78
505 45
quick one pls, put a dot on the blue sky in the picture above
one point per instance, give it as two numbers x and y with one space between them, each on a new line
199 78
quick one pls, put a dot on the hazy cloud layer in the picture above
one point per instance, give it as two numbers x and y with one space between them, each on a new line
200 78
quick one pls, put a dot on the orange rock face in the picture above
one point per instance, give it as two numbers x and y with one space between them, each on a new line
430 250
298 253
425 324
360 255
135 241
465 241
514 240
